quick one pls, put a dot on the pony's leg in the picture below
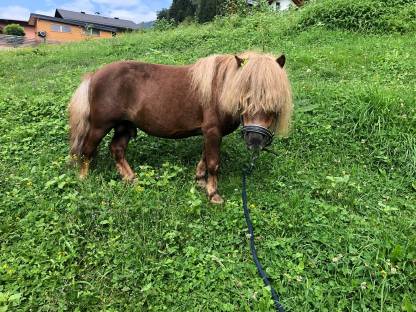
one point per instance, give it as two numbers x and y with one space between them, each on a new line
212 154
122 135
89 148
201 172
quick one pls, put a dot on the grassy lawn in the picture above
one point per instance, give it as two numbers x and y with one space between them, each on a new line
334 212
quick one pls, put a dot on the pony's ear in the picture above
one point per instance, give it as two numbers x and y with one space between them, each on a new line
281 60
240 61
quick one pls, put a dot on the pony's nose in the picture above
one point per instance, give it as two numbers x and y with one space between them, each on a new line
254 140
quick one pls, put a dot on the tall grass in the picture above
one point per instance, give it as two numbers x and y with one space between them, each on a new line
377 16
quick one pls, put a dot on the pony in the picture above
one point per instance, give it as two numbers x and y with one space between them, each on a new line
210 98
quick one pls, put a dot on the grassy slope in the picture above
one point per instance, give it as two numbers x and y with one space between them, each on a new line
334 212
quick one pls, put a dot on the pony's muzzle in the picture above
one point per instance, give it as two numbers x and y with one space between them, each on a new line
255 141
256 137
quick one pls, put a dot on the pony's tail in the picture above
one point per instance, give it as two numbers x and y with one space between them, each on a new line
79 112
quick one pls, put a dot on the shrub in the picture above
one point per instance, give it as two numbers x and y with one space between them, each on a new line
240 7
164 24
402 21
14 29
398 2
189 20
231 7
365 15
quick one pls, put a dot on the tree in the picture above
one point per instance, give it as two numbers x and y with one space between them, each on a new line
163 14
180 9
14 30
207 10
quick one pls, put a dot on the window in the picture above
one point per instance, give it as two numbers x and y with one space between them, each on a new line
89 31
60 28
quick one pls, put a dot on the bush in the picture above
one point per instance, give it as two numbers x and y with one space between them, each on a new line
403 21
14 30
231 7
366 15
164 24
398 2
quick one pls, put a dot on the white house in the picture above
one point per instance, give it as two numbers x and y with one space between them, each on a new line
283 4
277 5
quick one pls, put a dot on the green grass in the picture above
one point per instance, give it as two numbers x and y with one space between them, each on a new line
334 213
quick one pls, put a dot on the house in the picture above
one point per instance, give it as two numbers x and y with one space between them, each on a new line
29 30
282 4
74 26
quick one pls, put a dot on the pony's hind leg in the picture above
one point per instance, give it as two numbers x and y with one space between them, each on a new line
122 135
89 148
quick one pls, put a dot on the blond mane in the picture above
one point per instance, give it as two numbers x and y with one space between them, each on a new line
259 85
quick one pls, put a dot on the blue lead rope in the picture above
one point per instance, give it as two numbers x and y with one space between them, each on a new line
263 274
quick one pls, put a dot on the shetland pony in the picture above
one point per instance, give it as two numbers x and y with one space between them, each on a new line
209 98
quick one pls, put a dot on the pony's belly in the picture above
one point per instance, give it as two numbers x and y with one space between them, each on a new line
161 121
168 127
171 134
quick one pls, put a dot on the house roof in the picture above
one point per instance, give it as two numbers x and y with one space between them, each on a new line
12 21
95 19
34 16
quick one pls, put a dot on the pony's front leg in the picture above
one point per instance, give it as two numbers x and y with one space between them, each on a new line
201 172
212 139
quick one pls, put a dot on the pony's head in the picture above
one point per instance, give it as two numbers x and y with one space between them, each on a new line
251 86
260 93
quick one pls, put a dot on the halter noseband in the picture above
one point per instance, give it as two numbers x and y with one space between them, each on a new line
258 129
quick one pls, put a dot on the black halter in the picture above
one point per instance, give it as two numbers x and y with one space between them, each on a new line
258 129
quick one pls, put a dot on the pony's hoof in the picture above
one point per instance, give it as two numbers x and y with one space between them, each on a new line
217 199
131 179
83 175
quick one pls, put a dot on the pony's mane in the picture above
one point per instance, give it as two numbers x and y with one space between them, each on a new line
258 85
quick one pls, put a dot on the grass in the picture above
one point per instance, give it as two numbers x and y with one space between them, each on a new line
334 213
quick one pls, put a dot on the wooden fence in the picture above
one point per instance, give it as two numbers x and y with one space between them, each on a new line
7 41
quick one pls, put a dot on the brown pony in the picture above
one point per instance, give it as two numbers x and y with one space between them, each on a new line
209 98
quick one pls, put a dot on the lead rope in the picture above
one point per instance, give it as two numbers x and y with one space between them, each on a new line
247 171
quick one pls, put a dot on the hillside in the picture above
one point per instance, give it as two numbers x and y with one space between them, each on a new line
334 211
